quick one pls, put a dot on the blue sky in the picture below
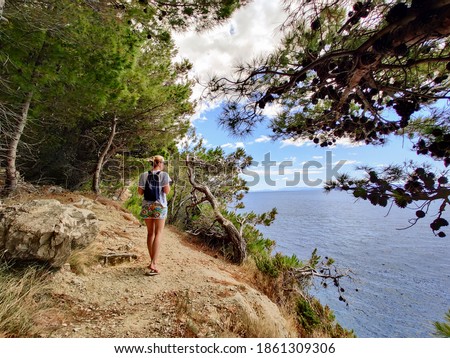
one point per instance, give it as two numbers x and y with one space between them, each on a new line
253 31
308 160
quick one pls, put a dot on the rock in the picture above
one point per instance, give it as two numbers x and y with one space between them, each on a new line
113 258
45 231
258 313
55 190
66 267
84 203
122 194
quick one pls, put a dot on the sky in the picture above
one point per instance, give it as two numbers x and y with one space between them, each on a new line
282 164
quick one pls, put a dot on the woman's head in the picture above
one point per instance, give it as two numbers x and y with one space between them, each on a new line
157 160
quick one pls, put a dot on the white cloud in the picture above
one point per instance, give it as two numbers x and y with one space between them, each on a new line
263 139
200 118
251 32
272 110
233 145
295 142
317 157
343 142
348 162
347 142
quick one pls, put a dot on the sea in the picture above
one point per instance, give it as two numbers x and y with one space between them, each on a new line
400 276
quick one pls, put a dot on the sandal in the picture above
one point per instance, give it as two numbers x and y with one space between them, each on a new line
151 272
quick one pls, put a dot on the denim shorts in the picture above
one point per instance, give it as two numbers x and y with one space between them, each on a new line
153 211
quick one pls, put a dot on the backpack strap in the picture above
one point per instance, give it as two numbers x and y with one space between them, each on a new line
151 173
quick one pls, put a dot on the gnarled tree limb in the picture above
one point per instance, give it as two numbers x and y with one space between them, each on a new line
239 244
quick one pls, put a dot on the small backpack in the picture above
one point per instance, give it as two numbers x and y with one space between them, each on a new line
152 191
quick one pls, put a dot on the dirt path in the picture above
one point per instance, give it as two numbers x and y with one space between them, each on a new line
196 294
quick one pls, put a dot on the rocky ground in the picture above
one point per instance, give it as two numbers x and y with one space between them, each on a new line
196 294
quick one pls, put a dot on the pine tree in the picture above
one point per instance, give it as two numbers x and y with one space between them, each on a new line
357 70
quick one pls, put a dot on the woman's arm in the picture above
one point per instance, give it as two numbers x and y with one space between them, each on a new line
141 184
166 188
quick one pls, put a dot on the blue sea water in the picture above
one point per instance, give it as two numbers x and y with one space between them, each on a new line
401 277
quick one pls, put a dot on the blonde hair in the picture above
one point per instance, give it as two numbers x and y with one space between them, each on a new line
156 160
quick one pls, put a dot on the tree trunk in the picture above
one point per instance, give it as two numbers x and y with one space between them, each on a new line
101 158
11 152
239 244
2 5
426 24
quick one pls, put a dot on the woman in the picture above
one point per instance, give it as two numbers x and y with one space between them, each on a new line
154 185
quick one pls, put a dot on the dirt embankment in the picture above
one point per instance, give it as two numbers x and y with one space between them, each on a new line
195 295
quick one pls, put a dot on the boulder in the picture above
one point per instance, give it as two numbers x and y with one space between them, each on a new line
45 231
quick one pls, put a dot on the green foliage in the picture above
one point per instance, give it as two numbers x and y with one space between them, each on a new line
315 319
260 248
219 171
87 66
315 259
266 266
306 316
277 264
198 14
257 245
443 328
134 203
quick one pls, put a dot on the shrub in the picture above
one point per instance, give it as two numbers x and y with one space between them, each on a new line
21 295
306 315
316 320
442 328
133 204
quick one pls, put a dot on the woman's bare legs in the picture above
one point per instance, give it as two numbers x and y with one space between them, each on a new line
150 236
155 229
